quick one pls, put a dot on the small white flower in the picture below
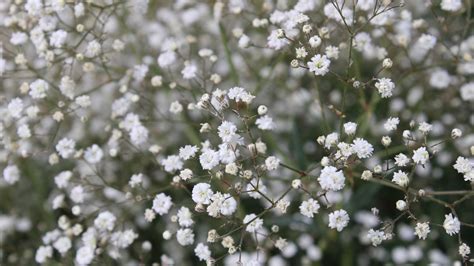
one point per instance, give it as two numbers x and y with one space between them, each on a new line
166 59
85 255
11 174
105 221
401 160
464 250
202 252
331 179
172 163
185 217
202 193
385 87
253 223
265 123
38 89
362 148
189 71
162 204
272 163
420 155
401 178
451 224
422 230
338 220
66 147
187 152
209 159
319 65
451 5
350 128
391 124
376 237
309 207
185 237
93 154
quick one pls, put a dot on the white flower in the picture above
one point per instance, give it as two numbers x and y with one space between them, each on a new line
265 123
275 42
400 178
309 207
331 179
172 163
123 239
350 128
391 124
105 221
272 163
63 244
385 87
77 194
338 220
253 223
162 204
362 148
331 140
67 87
451 5
463 165
422 230
185 217
440 79
135 180
376 237
58 38
425 128
84 255
451 224
464 250
176 107
66 147
38 89
93 154
202 252
18 38
187 152
401 160
189 71
15 107
226 131
186 174
209 159
62 179
43 253
319 65
420 155
467 91
185 237
93 49
229 205
239 94
202 193
166 59
24 131
11 174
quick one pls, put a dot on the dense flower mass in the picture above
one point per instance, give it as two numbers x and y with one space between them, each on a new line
272 132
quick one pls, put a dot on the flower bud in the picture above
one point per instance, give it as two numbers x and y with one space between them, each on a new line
401 205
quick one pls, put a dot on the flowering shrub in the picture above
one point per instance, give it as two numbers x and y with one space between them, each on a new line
270 132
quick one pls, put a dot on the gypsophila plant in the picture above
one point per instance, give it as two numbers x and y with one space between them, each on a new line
239 132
